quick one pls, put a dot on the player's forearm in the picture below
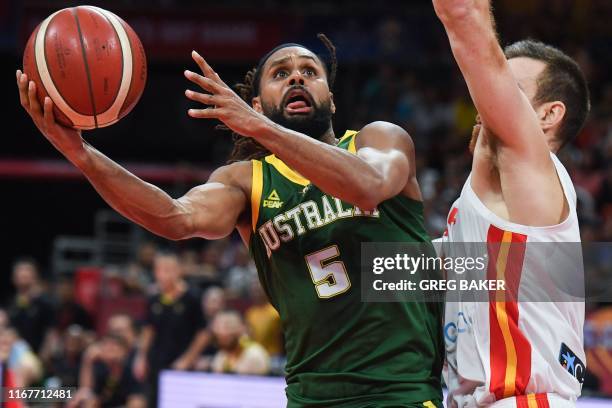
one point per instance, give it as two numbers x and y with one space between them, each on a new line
137 200
328 167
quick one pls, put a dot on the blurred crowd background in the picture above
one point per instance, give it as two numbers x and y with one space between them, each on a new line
82 287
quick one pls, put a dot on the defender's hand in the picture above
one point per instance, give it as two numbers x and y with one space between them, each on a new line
66 140
224 103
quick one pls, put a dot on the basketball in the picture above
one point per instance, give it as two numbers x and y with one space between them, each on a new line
90 63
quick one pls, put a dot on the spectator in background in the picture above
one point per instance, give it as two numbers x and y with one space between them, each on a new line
122 325
190 262
237 354
138 277
213 301
264 322
175 332
65 362
212 255
69 312
4 319
241 275
17 357
31 312
106 378
95 367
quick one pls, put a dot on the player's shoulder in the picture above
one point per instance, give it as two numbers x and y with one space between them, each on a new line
237 174
381 133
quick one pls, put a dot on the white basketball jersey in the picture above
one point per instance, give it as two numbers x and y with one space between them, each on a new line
515 353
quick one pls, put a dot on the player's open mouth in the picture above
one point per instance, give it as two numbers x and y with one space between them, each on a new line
298 102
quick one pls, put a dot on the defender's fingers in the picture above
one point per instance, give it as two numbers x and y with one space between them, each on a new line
34 104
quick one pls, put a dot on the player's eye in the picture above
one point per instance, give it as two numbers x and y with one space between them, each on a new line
310 72
281 73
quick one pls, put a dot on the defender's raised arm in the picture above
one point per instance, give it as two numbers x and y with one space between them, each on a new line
502 104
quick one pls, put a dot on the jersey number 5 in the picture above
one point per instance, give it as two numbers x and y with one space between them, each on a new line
330 278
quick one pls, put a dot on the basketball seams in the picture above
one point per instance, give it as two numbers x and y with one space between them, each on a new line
74 12
116 95
112 114
78 119
44 45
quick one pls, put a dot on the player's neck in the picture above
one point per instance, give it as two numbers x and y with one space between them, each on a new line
328 137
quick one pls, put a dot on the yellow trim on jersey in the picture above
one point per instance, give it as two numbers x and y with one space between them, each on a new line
531 401
429 404
283 169
256 189
294 176
351 146
347 134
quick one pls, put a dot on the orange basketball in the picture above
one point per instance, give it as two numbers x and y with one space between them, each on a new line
90 63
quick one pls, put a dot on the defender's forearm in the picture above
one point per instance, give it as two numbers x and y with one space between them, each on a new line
470 27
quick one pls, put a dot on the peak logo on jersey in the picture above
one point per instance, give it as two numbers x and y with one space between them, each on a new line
570 361
273 201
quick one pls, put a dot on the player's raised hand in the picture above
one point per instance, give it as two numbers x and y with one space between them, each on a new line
66 140
223 103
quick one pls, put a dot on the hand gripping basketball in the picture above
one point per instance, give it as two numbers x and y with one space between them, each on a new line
66 140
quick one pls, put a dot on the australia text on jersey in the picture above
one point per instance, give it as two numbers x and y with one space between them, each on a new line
306 216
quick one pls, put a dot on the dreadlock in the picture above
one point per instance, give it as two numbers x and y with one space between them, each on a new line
245 148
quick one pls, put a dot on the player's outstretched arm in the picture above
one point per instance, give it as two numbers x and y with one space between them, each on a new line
209 211
380 170
503 107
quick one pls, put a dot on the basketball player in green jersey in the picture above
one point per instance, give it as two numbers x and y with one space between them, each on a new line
303 201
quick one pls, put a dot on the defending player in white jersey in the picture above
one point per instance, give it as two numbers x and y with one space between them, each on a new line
532 100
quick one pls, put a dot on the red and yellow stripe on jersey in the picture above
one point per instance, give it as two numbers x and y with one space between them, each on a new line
510 351
532 401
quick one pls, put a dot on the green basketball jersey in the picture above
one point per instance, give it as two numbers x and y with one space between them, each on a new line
341 352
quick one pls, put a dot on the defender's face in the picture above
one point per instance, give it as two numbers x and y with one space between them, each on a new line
293 81
526 72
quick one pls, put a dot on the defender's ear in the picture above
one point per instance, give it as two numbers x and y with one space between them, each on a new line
551 115
256 102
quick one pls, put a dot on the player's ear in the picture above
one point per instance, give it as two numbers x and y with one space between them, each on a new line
256 102
333 105
551 114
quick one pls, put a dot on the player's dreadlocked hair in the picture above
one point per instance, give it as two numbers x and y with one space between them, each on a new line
246 148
